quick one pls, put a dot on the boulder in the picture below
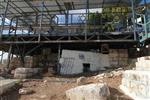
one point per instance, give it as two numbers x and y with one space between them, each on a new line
109 75
100 76
98 91
117 73
81 80
6 85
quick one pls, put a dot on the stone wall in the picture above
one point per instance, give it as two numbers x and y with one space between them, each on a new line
45 59
118 57
72 61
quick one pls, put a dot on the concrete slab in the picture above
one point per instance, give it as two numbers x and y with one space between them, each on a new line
6 84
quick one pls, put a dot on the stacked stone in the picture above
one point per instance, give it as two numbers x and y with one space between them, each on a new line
30 62
136 83
48 58
15 63
118 57
33 64
31 67
26 72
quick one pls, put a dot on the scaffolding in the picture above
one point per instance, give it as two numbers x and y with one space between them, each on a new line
37 24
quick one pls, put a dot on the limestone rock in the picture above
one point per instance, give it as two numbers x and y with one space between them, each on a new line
117 73
43 96
81 81
2 78
26 72
6 85
109 75
100 76
25 91
89 92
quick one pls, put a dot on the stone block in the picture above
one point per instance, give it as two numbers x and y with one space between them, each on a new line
136 84
6 84
89 92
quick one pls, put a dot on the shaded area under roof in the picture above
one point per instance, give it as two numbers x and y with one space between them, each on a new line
28 10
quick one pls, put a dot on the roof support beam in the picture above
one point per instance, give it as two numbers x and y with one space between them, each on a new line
119 2
37 10
23 13
60 7
3 7
103 3
13 14
31 6
48 12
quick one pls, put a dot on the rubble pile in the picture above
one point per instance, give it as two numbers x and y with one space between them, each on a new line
114 73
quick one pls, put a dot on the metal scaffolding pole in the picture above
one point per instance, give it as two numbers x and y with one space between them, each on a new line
16 26
59 51
41 20
59 56
87 18
9 54
67 22
3 19
133 15
145 19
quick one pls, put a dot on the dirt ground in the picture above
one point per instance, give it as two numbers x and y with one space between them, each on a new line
51 88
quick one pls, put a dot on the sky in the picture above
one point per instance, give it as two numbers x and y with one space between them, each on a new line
147 1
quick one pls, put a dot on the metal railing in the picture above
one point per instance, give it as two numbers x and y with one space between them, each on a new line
143 27
76 24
